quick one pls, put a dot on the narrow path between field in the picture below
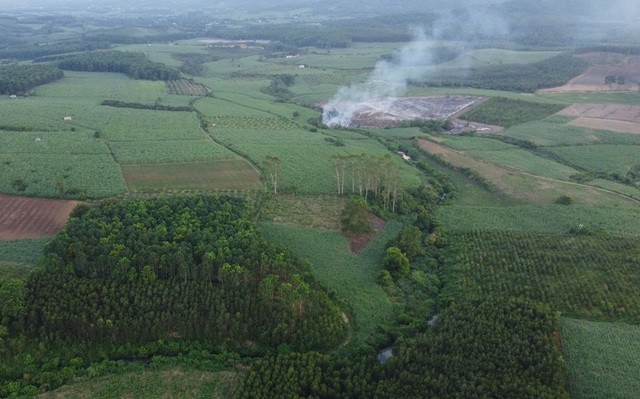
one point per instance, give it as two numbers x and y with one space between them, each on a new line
211 137
345 318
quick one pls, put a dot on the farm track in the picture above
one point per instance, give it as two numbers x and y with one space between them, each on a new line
210 137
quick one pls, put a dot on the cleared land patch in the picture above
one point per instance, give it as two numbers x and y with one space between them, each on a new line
319 212
24 217
391 111
224 174
614 117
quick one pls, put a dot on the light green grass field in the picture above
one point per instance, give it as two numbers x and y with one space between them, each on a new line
550 133
541 218
125 124
94 87
601 158
222 174
41 113
603 359
92 176
306 156
166 151
630 98
174 382
398 133
509 156
65 142
352 277
18 258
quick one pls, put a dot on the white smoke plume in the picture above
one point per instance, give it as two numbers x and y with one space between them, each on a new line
388 79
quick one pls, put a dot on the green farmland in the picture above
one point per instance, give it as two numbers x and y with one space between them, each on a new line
527 225
231 174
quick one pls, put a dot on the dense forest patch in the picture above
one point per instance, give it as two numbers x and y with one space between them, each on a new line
134 65
126 279
495 347
192 268
552 72
15 79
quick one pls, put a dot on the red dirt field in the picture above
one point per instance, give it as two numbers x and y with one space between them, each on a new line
23 217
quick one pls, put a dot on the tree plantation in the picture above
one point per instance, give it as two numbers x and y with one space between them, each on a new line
489 349
18 79
134 65
183 269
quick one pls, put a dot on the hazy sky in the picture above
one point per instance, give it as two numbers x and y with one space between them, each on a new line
600 10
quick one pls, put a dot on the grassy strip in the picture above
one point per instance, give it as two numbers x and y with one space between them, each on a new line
18 257
352 277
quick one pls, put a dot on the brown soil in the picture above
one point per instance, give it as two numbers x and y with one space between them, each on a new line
23 217
614 117
359 241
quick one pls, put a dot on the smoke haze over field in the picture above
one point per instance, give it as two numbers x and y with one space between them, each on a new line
388 79
471 24
391 78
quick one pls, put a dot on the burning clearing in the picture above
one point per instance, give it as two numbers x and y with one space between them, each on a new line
394 110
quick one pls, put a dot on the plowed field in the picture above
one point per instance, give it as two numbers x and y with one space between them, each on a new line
614 117
22 217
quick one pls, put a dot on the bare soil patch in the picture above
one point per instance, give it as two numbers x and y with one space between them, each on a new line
223 174
22 217
603 65
359 241
614 117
